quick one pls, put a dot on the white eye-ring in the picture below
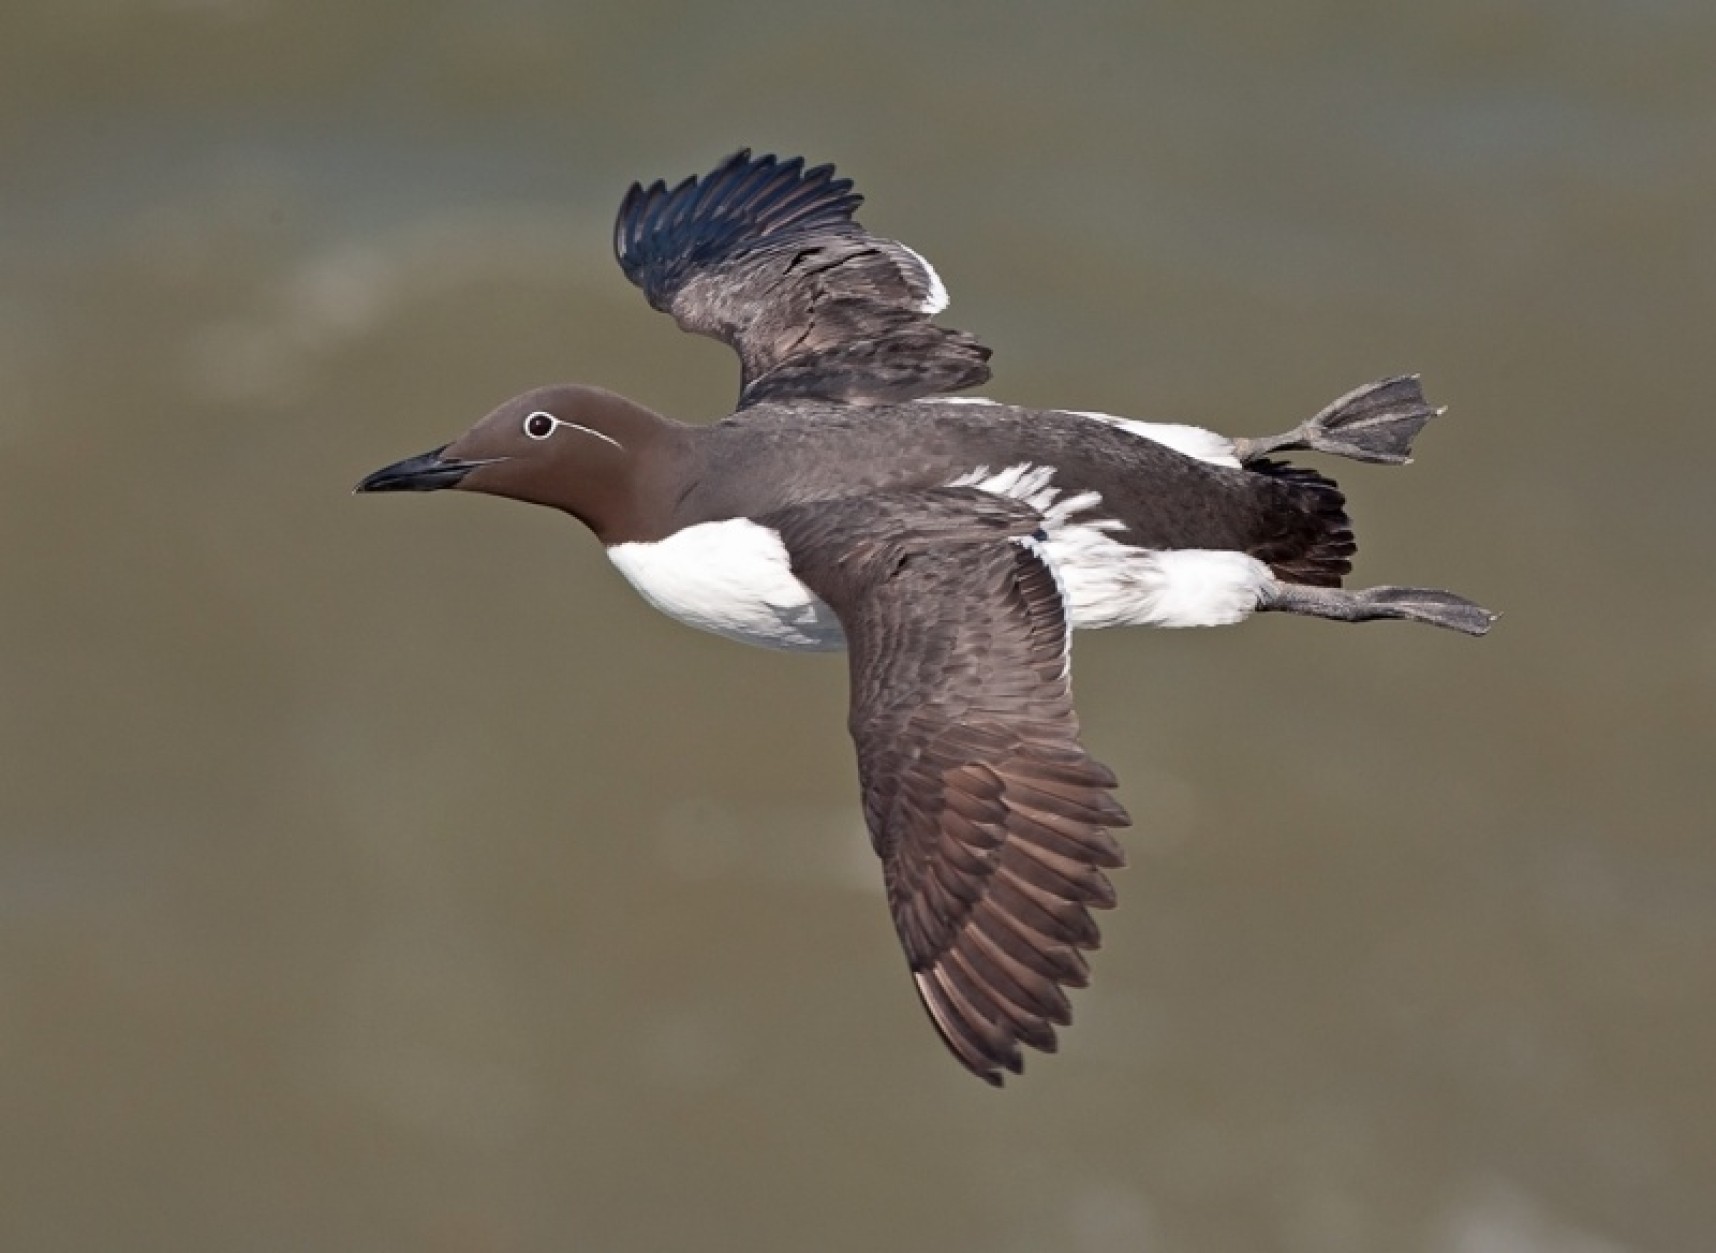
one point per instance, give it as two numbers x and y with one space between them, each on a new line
540 425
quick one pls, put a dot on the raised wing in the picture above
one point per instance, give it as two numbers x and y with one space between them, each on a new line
991 820
764 255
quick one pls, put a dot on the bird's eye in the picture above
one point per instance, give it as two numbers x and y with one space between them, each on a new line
540 425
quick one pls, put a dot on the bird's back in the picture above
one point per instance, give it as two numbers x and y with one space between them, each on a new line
1155 497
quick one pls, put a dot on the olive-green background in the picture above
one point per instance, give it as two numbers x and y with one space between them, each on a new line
381 874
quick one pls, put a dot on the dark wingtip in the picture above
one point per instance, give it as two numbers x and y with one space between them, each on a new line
661 233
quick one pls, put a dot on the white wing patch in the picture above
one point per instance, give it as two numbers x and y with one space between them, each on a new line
1107 582
733 578
936 300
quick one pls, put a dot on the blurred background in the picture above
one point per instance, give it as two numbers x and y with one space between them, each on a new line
381 874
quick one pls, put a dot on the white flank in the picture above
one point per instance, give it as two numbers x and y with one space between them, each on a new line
936 301
1113 585
1108 583
733 578
1190 441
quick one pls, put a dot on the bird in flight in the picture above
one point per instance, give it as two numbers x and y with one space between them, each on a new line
950 544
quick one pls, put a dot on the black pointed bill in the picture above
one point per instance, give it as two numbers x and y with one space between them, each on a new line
429 472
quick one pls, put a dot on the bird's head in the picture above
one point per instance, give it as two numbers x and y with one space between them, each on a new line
569 447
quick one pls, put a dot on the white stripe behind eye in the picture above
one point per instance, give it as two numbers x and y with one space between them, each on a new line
558 421
607 438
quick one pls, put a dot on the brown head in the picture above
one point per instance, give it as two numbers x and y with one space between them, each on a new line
579 449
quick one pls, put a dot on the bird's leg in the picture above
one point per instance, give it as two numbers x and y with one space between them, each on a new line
1376 422
1416 604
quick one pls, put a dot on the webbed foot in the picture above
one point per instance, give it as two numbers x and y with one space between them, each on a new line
1415 604
1376 423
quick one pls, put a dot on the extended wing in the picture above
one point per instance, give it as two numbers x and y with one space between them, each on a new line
765 255
990 818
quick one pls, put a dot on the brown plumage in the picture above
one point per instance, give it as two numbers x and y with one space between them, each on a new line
991 820
766 256
951 546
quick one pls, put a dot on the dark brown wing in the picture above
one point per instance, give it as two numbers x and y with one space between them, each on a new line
991 820
765 256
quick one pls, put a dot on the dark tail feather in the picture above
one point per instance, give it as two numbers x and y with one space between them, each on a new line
1315 544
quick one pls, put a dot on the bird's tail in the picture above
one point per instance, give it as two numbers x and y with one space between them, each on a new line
1314 544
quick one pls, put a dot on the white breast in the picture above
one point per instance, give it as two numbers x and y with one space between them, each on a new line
733 578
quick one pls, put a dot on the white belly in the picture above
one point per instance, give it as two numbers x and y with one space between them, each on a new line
733 578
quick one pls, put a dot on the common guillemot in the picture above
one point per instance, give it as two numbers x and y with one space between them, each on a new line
951 544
